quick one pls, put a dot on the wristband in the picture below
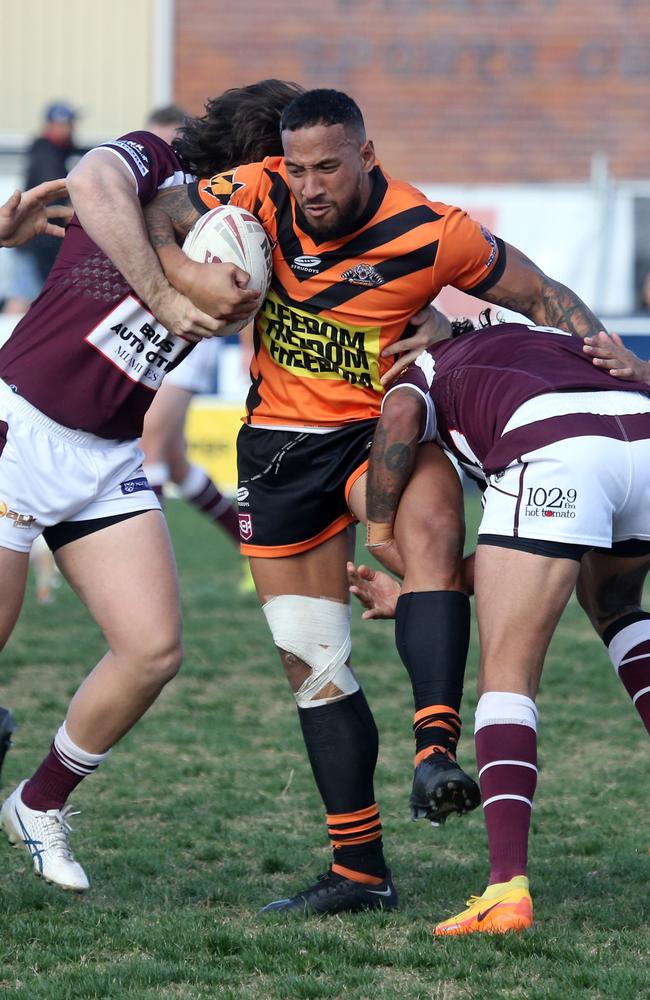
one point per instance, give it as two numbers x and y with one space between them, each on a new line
378 533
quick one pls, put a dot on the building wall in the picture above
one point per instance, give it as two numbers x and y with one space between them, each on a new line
108 58
476 91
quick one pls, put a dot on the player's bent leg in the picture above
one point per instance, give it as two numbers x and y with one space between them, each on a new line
140 617
610 589
519 599
125 574
311 630
432 624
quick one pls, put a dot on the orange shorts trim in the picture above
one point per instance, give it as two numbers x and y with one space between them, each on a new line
357 474
278 551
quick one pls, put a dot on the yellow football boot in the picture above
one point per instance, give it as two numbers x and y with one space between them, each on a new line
504 906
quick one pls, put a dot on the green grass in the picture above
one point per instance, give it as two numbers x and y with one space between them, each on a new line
207 810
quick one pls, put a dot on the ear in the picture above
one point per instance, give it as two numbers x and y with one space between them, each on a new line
368 158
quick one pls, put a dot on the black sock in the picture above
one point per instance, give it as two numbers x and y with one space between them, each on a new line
342 744
432 638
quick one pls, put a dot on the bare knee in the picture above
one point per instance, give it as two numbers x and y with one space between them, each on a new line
157 661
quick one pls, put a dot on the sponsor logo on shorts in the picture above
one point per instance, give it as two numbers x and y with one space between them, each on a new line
310 346
553 502
306 263
242 494
135 485
363 274
20 520
245 527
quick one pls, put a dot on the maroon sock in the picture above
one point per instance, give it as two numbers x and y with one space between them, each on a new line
51 784
216 506
506 756
628 643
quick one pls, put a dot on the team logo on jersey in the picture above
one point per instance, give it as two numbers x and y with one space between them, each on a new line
487 235
20 520
306 263
363 274
221 187
245 527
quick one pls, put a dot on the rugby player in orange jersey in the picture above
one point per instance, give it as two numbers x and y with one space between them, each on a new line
355 255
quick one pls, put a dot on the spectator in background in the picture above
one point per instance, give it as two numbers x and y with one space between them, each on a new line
165 122
48 158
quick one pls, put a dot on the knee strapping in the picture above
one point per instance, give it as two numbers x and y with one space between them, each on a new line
316 630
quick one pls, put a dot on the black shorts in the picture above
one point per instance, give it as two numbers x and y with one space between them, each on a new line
294 485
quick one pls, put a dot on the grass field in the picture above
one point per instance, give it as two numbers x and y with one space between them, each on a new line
207 811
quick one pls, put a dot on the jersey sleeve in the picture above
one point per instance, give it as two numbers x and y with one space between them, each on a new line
469 256
418 377
241 186
150 161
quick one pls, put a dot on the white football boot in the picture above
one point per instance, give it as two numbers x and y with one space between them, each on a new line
45 835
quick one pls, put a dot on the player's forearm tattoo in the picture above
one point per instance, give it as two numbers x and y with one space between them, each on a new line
563 309
390 468
170 216
553 304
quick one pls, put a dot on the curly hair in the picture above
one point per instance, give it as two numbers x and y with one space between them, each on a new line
242 125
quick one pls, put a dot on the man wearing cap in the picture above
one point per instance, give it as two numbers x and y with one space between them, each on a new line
48 158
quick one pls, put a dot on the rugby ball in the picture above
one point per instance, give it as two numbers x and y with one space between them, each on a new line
231 235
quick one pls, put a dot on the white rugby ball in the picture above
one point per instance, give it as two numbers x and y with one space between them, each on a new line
229 234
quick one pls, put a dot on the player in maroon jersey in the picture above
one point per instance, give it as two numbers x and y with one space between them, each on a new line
76 378
563 452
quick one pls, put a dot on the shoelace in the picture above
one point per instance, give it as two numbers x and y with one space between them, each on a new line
58 836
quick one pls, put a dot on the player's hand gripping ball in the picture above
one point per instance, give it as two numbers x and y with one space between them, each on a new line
231 235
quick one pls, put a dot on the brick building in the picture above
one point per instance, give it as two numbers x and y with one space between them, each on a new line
470 91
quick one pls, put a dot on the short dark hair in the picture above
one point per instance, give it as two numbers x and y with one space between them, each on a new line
323 107
170 114
242 125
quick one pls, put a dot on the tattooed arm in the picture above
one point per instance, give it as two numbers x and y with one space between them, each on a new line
524 288
218 289
392 458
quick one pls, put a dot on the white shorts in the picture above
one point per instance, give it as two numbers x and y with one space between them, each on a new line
197 372
51 474
590 490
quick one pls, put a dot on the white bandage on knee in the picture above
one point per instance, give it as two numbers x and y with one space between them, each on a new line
316 630
505 708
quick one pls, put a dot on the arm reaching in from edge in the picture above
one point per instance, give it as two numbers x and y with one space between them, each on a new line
218 289
26 215
431 326
608 351
104 197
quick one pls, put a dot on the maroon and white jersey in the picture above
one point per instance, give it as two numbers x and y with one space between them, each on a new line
88 353
474 383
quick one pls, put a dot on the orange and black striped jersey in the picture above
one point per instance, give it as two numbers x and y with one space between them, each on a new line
334 306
